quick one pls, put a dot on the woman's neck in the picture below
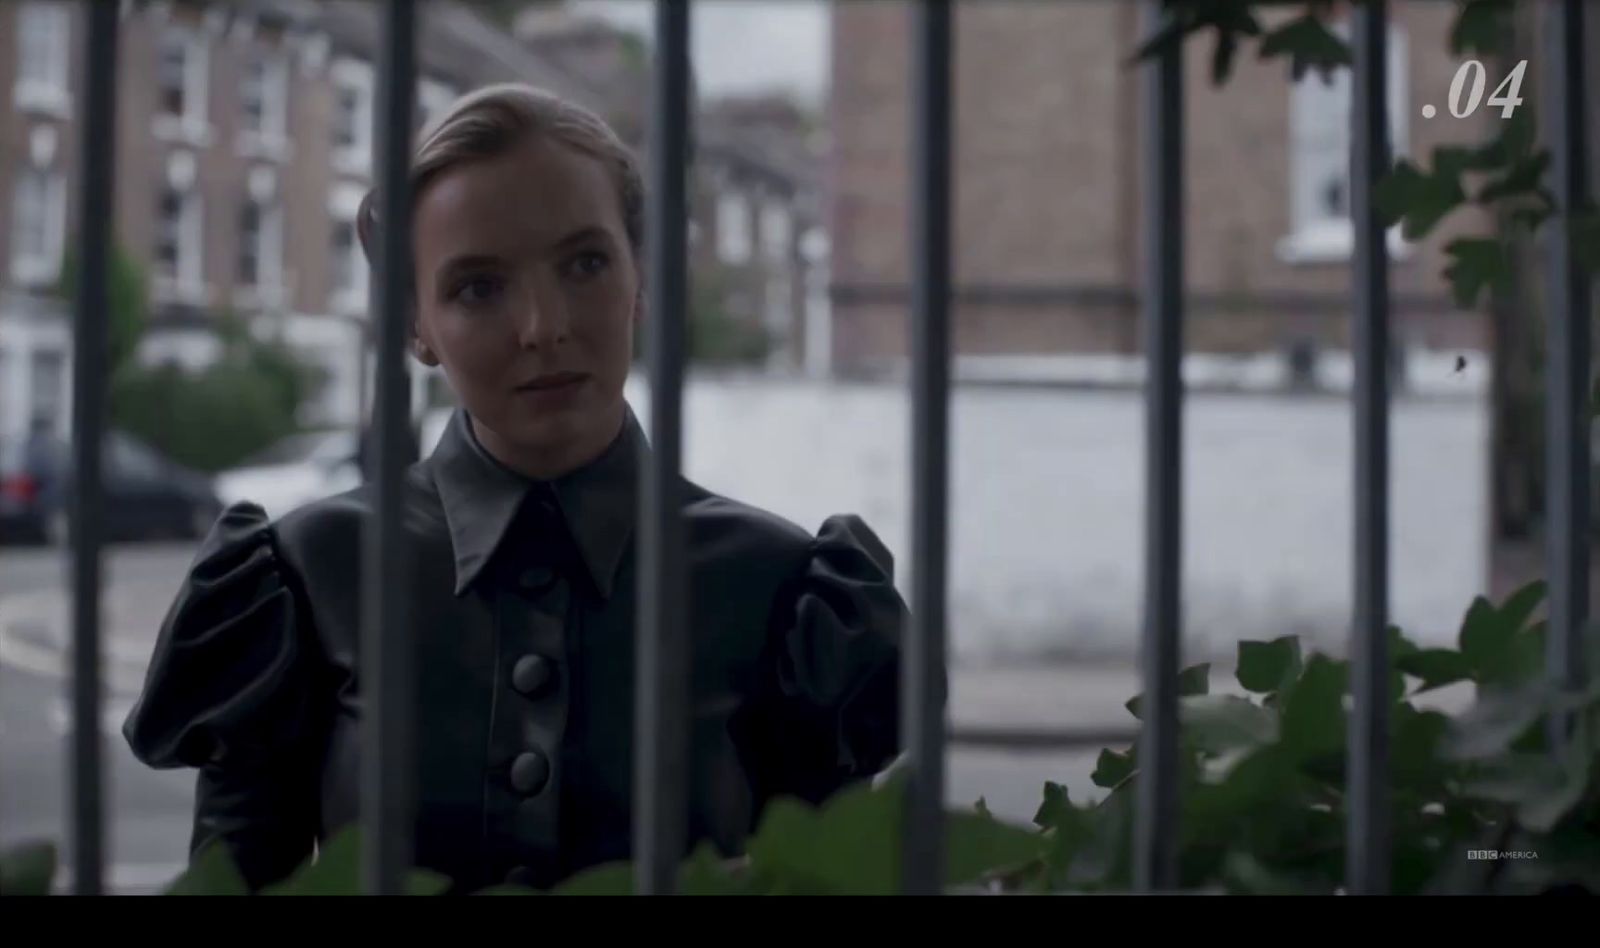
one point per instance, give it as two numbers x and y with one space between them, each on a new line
549 462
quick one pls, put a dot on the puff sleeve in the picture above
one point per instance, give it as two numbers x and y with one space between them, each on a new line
829 714
230 691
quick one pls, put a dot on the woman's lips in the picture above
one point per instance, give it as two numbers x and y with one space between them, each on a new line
551 391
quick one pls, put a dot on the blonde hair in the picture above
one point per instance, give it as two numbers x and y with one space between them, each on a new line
488 122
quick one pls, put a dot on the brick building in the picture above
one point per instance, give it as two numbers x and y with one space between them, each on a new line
1047 194
244 143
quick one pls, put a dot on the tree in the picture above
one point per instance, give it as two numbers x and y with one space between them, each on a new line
128 297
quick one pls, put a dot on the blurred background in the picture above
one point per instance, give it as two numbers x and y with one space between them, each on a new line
240 339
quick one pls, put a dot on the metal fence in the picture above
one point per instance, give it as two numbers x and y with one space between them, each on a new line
662 685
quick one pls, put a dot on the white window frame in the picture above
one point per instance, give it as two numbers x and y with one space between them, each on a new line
51 95
734 239
351 298
1319 128
268 290
187 283
355 76
271 140
777 231
193 127
40 269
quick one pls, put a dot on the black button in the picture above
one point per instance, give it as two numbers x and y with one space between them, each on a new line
530 772
536 579
520 875
531 674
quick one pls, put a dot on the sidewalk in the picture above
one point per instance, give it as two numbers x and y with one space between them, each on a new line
985 702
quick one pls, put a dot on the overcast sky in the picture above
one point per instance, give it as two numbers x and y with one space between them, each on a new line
744 46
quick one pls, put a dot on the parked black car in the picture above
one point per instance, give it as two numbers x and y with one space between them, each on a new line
147 495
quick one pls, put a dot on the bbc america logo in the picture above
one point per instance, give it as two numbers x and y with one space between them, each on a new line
1500 854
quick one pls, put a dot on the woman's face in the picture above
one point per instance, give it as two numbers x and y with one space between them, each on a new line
527 293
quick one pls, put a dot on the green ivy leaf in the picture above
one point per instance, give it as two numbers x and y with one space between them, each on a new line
848 848
612 878
334 870
1520 605
1051 808
28 869
507 889
977 846
1309 44
427 882
1112 768
1526 176
1479 26
211 872
1418 199
1395 192
1476 263
1268 666
1194 680
1437 667
707 873
1218 724
1414 748
1313 709
1400 647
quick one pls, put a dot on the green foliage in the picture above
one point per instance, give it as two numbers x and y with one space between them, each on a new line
127 298
1479 27
216 417
1261 779
1418 200
28 869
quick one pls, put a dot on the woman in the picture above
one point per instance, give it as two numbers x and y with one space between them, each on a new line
528 224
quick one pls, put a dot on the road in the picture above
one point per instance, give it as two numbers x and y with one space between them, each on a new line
148 812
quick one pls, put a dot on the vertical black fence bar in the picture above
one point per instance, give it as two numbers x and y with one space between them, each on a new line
1367 829
661 695
388 771
1161 89
90 343
922 706
1567 448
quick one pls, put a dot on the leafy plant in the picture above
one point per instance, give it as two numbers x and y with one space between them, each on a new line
1513 172
1262 785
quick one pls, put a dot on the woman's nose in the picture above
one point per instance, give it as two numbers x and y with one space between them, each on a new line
544 323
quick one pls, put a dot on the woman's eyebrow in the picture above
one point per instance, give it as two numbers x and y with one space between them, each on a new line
580 236
467 261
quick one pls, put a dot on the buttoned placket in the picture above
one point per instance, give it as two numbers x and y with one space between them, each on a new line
532 697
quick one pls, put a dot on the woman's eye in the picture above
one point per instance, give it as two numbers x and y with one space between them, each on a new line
589 264
476 290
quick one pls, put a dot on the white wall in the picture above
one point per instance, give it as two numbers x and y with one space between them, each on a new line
1047 498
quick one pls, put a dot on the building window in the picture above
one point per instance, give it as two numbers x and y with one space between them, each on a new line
776 232
264 98
49 384
349 274
352 116
178 240
181 70
1319 175
733 228
43 52
260 246
38 212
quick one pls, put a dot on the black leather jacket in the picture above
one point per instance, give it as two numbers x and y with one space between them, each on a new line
523 614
